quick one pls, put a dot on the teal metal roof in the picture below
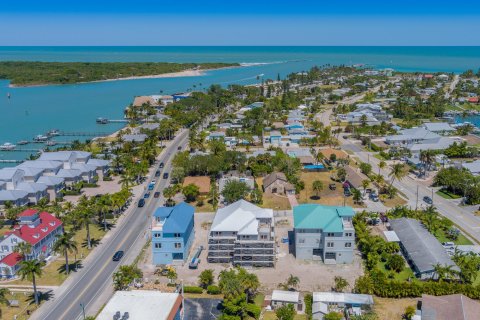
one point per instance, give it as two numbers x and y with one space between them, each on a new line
315 216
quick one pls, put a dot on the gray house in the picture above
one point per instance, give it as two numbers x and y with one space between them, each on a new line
324 233
235 176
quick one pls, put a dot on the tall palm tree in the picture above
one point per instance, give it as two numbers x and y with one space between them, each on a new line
365 184
30 270
3 298
382 165
65 244
104 205
317 187
24 249
399 171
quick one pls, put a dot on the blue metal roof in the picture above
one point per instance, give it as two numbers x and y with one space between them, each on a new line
177 218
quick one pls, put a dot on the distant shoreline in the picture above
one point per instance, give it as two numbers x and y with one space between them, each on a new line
184 73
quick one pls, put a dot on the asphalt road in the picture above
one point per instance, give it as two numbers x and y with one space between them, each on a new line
97 275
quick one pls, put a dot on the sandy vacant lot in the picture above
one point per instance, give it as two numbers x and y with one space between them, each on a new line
314 276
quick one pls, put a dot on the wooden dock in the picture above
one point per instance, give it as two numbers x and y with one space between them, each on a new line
83 134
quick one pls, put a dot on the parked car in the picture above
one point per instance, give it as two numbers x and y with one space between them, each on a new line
448 244
157 173
141 203
347 192
332 186
165 175
151 186
156 194
179 148
146 195
161 165
428 200
118 255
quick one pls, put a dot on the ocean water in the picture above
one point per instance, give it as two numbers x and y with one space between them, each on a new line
73 108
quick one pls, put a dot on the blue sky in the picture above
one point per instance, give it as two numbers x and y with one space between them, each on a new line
247 22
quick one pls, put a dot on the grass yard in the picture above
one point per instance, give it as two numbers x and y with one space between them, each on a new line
392 203
461 240
402 276
203 205
25 302
392 309
447 195
327 196
270 315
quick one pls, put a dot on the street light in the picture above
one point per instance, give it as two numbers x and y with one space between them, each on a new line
83 310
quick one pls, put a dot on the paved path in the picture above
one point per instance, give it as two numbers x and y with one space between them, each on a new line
87 286
293 200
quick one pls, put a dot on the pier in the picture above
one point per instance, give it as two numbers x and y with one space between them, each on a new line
22 150
11 161
82 134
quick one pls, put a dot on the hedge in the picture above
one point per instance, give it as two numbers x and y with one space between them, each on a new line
213 290
192 289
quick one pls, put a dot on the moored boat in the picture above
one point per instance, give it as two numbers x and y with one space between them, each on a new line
7 146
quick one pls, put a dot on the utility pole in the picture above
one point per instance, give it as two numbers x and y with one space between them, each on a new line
83 310
416 201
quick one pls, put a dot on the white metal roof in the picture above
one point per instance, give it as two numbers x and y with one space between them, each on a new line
140 304
285 296
241 217
340 297
391 236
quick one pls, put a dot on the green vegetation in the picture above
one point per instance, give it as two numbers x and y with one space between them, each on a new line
385 283
24 73
459 182
234 191
125 276
447 195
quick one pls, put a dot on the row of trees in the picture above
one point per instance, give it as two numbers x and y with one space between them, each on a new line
461 182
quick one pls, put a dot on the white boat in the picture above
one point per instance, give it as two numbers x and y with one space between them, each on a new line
54 132
22 142
40 138
7 146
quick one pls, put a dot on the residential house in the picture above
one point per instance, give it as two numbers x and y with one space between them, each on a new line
143 304
102 166
236 176
372 114
473 167
277 183
275 138
36 191
141 100
354 178
449 307
54 185
216 136
441 128
418 139
324 233
141 137
39 229
172 233
421 249
202 182
345 303
281 298
17 197
66 157
242 234
50 168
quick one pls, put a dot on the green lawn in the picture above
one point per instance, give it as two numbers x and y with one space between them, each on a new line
402 276
270 315
442 237
259 298
447 195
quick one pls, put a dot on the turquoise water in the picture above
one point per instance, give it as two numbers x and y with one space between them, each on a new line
35 110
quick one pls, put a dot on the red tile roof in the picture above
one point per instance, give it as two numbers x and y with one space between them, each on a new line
428 76
35 235
28 213
12 259
473 99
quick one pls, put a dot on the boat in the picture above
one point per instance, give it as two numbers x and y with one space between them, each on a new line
51 143
102 120
40 138
22 142
7 146
54 132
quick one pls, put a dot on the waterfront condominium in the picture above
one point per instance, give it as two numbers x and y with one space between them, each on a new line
242 234
172 234
324 233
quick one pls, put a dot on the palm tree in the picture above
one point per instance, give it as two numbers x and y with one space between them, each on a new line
292 281
65 244
104 205
382 165
317 187
84 217
3 298
357 196
399 171
365 184
30 270
24 249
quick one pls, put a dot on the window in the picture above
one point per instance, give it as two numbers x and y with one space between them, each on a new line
348 244
301 240
178 245
263 237
177 235
14 240
157 235
5 248
348 234
330 234
330 244
158 245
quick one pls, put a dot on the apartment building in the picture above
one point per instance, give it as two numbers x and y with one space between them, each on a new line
242 234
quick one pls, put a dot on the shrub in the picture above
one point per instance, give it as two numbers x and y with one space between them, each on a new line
253 310
213 290
192 289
